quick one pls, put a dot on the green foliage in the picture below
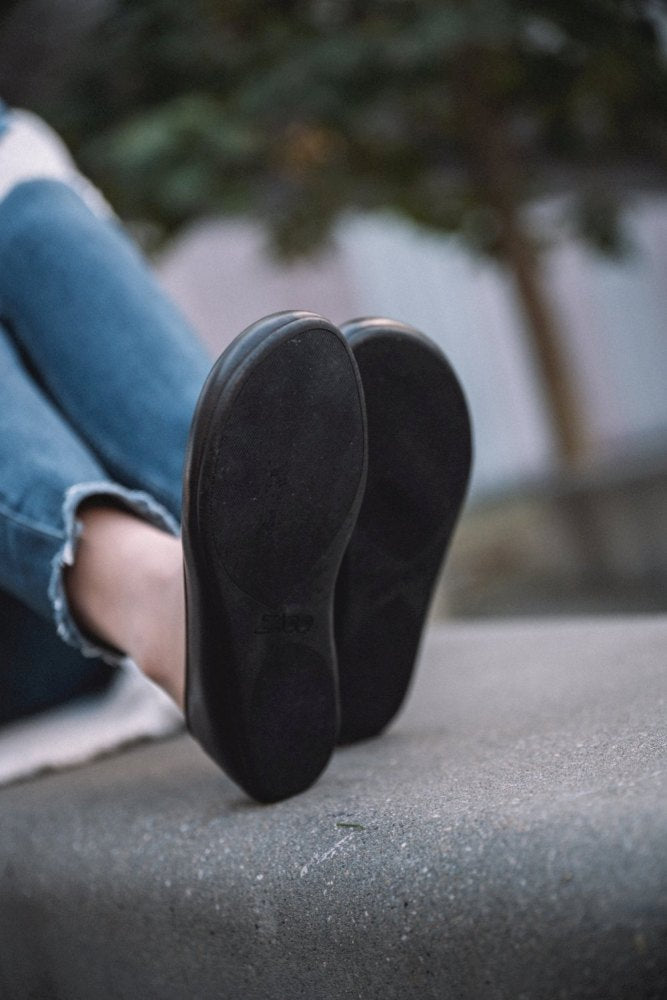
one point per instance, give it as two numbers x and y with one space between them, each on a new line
444 110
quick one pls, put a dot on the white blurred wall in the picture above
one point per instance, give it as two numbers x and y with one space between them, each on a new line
614 322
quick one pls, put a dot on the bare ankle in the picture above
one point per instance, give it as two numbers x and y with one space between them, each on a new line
126 588
158 645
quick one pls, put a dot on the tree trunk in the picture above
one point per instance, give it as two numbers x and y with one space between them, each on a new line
495 166
542 326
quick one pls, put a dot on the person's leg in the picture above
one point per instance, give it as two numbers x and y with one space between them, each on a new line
50 487
101 336
126 588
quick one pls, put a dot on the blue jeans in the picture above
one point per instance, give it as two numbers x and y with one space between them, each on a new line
99 376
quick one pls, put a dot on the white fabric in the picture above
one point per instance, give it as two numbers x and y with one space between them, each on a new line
31 150
133 709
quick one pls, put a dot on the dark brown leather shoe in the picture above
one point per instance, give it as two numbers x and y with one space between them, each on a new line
419 456
274 476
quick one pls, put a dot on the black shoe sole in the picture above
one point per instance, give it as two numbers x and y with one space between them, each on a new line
419 458
274 477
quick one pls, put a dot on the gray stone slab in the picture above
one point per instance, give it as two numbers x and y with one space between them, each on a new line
507 838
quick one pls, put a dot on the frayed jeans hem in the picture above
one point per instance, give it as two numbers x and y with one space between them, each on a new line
137 502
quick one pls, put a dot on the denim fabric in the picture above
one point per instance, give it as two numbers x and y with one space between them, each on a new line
99 376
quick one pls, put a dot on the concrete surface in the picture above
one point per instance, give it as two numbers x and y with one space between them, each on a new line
506 839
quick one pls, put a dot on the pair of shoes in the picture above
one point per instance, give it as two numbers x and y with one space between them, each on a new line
324 474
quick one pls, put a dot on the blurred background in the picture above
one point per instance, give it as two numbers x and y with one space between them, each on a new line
492 171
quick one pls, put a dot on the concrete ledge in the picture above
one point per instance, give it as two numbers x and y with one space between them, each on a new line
506 839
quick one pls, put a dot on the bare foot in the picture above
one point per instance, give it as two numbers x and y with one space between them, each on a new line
126 588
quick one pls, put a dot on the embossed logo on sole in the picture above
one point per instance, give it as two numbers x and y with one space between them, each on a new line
275 622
